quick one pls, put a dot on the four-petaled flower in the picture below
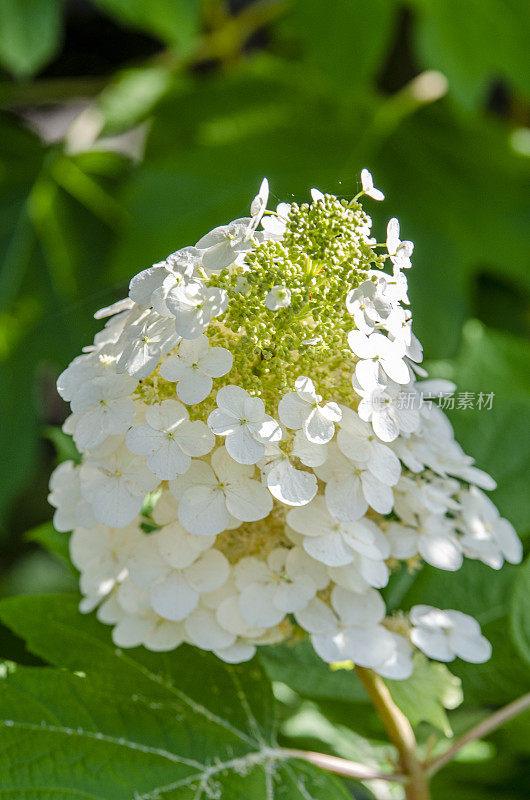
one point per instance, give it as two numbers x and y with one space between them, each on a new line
243 421
301 409
210 497
169 439
194 366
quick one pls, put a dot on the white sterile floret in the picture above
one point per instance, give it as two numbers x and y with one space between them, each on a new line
391 409
174 592
116 486
351 487
144 343
72 510
115 308
103 407
274 223
82 370
278 297
368 304
444 635
292 486
357 441
101 555
352 630
204 630
209 495
194 366
433 537
225 244
399 252
194 305
337 543
242 420
169 439
380 358
143 285
368 186
141 627
309 453
301 409
269 590
487 536
258 205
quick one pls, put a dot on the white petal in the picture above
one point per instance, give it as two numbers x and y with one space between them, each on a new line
311 455
475 649
257 607
330 549
317 426
205 632
345 498
168 461
131 630
384 426
368 647
291 486
317 617
166 415
384 464
329 646
294 596
440 551
292 410
165 636
202 511
312 520
114 504
358 609
194 388
433 643
209 573
248 500
241 446
194 438
179 548
146 565
237 653
173 598
216 362
379 496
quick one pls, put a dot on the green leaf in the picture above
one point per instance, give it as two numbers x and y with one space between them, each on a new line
53 541
446 163
427 693
485 594
300 668
520 612
30 33
181 725
173 21
475 43
342 46
63 443
497 438
131 96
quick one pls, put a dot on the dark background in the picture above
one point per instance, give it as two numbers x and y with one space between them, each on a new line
128 128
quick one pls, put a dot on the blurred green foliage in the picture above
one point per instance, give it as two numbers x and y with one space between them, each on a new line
175 110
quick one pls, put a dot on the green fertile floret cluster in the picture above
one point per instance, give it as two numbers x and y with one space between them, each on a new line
322 256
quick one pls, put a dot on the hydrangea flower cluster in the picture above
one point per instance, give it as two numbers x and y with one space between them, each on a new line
256 457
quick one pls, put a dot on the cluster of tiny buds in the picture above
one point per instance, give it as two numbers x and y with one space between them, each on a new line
247 470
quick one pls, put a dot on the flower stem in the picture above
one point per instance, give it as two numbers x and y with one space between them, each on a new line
479 731
341 766
400 733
